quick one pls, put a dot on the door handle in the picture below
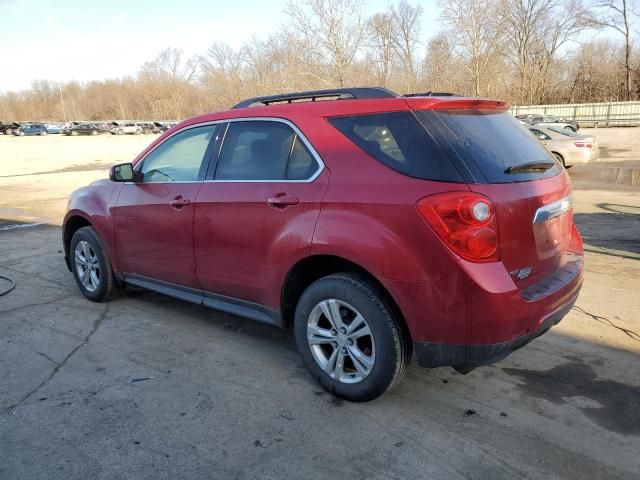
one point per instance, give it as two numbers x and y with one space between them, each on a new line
282 200
179 202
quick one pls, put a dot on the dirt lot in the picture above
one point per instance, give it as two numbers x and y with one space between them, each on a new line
225 398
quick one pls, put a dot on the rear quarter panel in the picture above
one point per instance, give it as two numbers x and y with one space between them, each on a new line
369 217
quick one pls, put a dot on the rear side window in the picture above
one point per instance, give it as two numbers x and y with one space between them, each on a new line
398 140
492 142
263 150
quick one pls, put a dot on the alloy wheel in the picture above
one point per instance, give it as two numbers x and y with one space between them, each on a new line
341 341
87 265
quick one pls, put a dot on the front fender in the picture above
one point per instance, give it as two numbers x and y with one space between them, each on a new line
93 203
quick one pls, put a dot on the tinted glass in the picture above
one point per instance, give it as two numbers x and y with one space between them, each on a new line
180 158
398 140
301 164
255 150
492 141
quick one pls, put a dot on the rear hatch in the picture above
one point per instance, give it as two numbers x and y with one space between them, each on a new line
480 144
502 160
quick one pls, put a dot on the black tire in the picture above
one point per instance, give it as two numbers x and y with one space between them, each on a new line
108 287
559 158
392 347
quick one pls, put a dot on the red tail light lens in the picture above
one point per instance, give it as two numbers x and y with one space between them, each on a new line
583 144
465 221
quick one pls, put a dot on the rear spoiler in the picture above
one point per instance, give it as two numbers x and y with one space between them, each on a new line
458 104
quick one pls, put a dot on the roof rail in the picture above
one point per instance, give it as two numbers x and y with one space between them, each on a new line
338 93
432 94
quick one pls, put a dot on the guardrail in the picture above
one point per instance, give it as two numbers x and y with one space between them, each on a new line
612 114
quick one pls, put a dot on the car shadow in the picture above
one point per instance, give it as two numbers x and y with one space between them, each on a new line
614 232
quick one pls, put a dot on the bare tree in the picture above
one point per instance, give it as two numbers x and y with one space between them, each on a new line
438 64
334 29
406 29
616 14
382 47
477 26
535 32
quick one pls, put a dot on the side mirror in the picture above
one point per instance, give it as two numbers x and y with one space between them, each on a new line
121 173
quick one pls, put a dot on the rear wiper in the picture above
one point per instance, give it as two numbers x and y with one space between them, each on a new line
530 167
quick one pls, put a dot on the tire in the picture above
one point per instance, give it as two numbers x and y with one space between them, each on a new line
94 132
43 133
386 349
559 158
74 133
91 247
570 128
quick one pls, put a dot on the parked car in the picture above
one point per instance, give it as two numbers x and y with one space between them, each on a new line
105 127
31 129
8 128
163 126
127 129
549 121
567 146
149 127
54 128
375 227
82 129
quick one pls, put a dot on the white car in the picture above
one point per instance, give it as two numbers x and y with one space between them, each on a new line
127 129
548 121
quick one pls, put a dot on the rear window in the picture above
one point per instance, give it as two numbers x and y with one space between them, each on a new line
398 140
492 141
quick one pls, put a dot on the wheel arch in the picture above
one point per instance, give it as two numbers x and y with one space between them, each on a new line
311 268
71 226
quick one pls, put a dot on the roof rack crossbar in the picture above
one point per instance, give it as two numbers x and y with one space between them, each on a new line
339 93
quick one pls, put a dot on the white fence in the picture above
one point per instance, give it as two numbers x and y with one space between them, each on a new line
590 114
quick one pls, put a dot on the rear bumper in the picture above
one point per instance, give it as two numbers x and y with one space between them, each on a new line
429 354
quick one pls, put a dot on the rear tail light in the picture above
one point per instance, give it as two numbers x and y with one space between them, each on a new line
583 144
465 221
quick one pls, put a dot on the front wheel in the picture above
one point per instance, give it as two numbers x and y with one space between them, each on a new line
91 266
349 338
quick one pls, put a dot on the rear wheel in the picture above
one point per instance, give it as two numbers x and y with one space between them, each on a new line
91 266
349 338
94 132
571 129
559 158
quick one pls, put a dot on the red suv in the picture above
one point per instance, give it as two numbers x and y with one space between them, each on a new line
374 225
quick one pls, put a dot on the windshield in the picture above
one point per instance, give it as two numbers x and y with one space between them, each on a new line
564 131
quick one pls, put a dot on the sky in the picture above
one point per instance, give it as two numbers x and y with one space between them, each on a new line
64 40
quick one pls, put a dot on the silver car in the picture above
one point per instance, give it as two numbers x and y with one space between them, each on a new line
567 146
548 121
